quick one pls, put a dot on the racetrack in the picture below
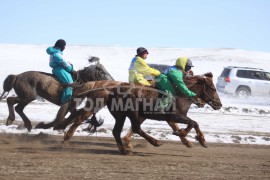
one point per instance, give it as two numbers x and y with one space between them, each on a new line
45 157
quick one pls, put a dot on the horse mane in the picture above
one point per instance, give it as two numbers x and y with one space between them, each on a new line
86 72
208 74
191 80
94 72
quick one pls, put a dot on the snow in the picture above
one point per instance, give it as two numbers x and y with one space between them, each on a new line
238 121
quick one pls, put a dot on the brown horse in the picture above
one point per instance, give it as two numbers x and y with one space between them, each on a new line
132 101
28 85
106 85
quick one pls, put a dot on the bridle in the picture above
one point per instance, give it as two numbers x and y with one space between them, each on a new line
212 101
205 93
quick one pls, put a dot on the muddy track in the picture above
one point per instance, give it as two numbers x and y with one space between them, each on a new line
45 157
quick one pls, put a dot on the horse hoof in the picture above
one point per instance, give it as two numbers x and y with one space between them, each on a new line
187 144
43 125
158 143
29 128
202 142
128 145
39 125
65 143
9 122
66 137
127 153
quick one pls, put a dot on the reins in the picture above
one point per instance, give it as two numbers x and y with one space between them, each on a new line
213 100
200 93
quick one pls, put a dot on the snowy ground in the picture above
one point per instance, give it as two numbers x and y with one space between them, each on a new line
238 121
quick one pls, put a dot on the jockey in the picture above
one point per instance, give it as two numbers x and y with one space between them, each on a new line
61 68
174 75
139 69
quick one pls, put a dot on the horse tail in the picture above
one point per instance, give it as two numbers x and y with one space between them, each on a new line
9 82
8 85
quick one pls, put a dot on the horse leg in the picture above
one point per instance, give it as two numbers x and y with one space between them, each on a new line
69 120
191 124
60 117
86 113
136 128
59 122
200 136
178 132
82 115
127 137
119 123
11 101
19 109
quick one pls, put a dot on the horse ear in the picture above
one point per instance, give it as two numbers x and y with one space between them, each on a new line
209 75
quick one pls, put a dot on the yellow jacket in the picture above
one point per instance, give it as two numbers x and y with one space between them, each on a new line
139 69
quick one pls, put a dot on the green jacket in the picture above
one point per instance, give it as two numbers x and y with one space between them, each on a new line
173 75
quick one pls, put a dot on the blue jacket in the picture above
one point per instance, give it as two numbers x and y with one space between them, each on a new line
61 68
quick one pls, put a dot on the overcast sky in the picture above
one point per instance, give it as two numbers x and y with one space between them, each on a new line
242 24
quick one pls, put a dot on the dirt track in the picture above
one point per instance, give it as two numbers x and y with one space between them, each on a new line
45 157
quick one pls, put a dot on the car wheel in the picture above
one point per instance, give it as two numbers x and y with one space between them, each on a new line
242 93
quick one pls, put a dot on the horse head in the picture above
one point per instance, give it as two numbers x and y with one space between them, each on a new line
206 91
94 72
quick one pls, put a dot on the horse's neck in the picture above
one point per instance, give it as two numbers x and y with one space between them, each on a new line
197 89
183 104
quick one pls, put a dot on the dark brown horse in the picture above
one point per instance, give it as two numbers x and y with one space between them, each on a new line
28 85
106 86
133 102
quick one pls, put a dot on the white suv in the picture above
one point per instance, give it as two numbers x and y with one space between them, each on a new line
244 82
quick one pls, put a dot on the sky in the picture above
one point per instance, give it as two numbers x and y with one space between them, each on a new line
242 24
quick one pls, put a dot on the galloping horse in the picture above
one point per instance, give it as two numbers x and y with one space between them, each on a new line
136 96
28 85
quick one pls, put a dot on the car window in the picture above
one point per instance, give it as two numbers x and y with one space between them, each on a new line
160 67
256 75
250 74
267 76
243 74
225 72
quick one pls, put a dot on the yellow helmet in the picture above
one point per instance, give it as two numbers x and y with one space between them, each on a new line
181 62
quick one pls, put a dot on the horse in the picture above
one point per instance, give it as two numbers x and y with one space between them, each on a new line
93 122
31 84
136 97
